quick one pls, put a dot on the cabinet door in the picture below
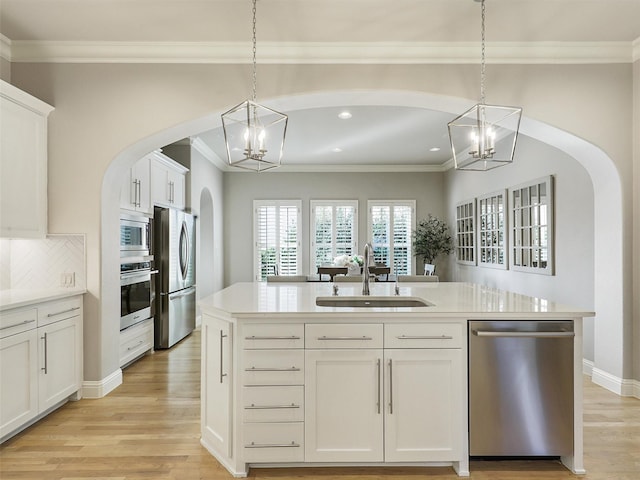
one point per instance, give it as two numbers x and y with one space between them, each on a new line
423 408
177 189
18 380
216 411
142 173
343 413
23 171
60 361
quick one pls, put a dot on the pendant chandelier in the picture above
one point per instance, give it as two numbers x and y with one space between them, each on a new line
484 137
254 134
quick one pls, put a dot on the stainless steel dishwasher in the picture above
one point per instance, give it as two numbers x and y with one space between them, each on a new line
520 388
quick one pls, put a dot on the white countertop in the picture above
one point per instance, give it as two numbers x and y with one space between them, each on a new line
449 299
19 298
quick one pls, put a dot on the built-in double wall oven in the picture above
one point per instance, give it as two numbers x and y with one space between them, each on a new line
136 270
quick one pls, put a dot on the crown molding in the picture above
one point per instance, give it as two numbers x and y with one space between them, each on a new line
203 149
5 47
321 52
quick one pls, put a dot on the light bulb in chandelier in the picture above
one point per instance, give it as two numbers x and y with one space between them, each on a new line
483 142
255 136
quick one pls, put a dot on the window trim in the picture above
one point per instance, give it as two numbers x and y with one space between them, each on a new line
313 204
297 203
393 203
548 181
505 222
471 233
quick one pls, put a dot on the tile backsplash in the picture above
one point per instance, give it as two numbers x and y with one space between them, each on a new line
45 263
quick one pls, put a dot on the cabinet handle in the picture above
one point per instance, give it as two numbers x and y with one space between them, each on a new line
63 311
344 338
378 399
390 387
222 336
18 324
425 337
171 193
253 337
269 407
136 345
254 369
45 352
272 445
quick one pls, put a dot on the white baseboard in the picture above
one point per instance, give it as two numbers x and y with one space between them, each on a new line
587 367
620 386
100 388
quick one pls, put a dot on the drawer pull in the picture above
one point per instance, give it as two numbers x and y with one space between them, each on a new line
18 324
344 338
268 407
291 337
136 345
286 369
425 337
273 445
63 311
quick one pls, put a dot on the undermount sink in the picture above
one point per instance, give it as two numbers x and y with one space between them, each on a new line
371 301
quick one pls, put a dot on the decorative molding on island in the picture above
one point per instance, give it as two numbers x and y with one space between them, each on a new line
289 383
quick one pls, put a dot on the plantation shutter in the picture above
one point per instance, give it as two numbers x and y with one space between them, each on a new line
277 243
391 227
333 230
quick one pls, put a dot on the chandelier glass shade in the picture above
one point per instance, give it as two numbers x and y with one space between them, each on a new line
484 137
254 134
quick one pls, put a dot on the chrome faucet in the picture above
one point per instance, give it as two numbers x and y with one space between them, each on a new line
368 251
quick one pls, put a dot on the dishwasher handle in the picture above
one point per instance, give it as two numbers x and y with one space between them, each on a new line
518 334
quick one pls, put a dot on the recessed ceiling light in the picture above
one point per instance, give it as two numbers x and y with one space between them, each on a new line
344 115
336 150
434 149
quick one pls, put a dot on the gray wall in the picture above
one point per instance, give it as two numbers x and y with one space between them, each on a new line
242 188
573 281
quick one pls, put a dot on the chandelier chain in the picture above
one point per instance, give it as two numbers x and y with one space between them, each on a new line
255 76
482 68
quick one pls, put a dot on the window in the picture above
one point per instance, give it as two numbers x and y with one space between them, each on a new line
465 232
532 226
492 230
277 237
334 230
391 225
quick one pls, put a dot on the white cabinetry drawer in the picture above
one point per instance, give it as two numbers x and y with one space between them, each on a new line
136 340
338 335
273 404
424 335
273 367
273 442
273 336
13 322
59 310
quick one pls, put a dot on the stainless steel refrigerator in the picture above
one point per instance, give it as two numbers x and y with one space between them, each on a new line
174 256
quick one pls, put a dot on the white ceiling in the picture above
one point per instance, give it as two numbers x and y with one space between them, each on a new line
296 29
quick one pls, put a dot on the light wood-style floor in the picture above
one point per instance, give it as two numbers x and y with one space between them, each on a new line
149 428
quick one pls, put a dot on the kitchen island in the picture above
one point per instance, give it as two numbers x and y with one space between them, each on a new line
286 382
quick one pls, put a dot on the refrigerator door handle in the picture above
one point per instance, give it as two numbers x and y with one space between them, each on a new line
181 293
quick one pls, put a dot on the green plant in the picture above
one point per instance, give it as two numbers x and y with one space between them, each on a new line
431 238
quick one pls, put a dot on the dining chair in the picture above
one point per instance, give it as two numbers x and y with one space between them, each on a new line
429 269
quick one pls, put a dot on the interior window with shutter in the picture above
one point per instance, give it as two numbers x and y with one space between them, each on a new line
391 225
277 237
334 230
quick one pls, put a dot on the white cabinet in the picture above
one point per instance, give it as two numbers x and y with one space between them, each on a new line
40 360
216 407
23 164
343 395
60 357
168 180
135 193
18 380
423 404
